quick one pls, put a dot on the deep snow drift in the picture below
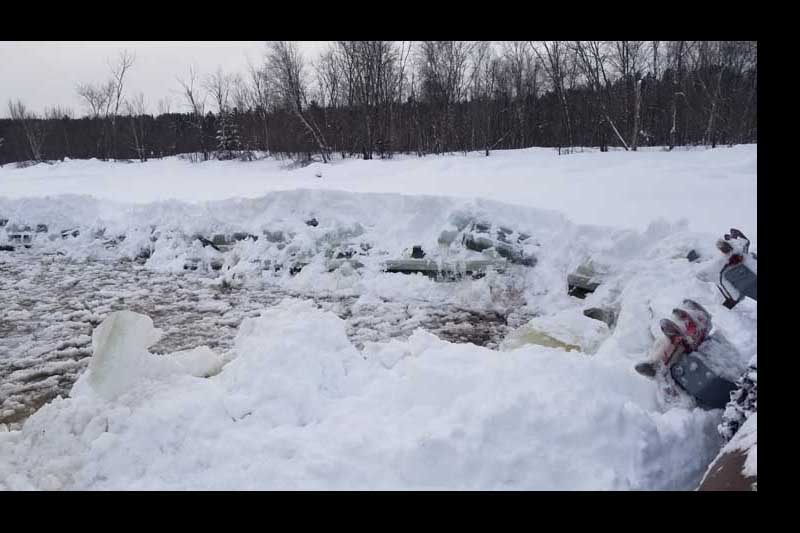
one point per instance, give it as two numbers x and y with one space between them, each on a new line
300 408
296 404
712 189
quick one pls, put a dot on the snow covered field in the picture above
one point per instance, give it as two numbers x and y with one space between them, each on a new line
713 189
318 377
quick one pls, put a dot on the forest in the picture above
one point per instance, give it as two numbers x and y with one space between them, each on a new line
374 99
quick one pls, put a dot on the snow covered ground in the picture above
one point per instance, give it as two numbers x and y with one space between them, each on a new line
318 377
712 189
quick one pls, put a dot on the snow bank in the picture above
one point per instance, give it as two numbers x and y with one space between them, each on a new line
713 189
300 408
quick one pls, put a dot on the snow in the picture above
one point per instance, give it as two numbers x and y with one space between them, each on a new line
746 439
335 379
120 357
569 327
121 360
297 409
713 189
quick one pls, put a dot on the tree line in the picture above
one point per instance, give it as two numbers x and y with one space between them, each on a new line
372 99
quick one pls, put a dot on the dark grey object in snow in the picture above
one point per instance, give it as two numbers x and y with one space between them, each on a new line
584 280
603 315
693 375
205 242
449 271
745 281
241 235
274 236
479 239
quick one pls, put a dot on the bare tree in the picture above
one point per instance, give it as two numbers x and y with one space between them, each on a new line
555 59
712 60
484 84
218 86
164 106
444 74
366 98
330 82
592 59
677 52
285 65
655 46
628 57
523 69
59 117
116 85
137 115
747 69
241 96
95 97
261 99
104 102
196 103
371 73
33 129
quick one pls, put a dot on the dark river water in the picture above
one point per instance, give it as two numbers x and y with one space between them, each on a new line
50 304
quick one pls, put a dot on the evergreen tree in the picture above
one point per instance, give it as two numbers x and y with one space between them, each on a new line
228 144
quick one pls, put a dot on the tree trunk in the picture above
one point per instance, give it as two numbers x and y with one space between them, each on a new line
673 129
709 135
637 101
742 135
565 109
314 133
616 131
266 131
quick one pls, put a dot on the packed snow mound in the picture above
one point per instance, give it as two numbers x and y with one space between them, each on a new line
712 188
121 359
298 407
747 439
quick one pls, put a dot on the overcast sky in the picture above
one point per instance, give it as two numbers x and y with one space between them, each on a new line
45 73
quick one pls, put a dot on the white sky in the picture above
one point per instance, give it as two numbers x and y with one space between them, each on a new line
45 73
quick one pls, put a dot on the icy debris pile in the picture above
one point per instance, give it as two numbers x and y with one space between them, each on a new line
20 235
586 278
466 247
743 403
505 242
298 407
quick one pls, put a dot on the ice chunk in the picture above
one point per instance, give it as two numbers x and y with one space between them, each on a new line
569 330
200 362
120 357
